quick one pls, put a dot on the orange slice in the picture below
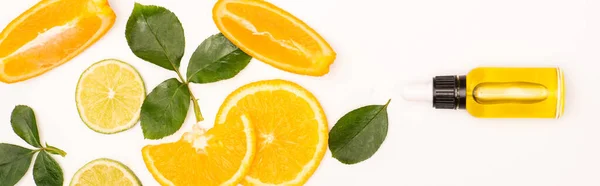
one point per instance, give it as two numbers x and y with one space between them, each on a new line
291 130
49 34
221 156
274 36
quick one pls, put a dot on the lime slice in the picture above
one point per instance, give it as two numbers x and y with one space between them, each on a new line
104 172
109 96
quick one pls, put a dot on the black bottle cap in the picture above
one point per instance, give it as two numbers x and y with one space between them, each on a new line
449 92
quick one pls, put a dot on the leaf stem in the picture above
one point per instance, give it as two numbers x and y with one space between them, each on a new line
180 76
388 102
197 111
54 150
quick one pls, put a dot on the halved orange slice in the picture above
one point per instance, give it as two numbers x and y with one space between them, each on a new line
274 36
220 157
49 34
291 130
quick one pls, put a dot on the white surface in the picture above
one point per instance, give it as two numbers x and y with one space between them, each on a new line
381 44
418 91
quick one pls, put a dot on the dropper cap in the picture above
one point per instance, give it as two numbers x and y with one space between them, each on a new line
444 92
420 91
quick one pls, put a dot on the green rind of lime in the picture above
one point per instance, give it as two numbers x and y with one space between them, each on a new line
87 123
105 161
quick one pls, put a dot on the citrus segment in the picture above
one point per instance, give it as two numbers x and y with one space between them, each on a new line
49 34
104 172
291 130
221 156
274 36
109 96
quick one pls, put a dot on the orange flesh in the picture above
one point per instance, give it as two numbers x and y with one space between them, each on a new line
273 36
49 34
294 137
263 43
183 164
291 130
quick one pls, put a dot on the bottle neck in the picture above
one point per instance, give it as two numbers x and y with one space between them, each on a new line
450 92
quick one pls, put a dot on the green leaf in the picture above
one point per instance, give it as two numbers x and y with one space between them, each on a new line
24 124
359 134
156 35
46 171
14 163
55 151
216 59
165 109
10 153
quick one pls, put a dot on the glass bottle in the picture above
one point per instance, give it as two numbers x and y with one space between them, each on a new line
497 92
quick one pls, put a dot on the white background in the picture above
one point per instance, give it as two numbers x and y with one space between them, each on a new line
381 44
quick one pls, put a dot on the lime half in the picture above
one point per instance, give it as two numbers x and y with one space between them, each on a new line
109 96
104 172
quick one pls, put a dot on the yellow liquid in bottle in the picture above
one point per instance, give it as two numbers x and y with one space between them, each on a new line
515 92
